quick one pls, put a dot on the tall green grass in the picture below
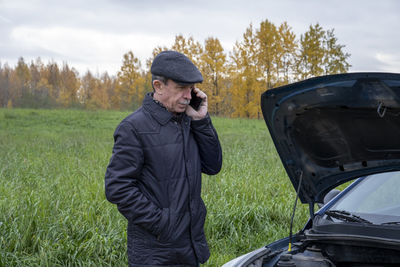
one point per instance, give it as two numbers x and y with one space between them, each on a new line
53 211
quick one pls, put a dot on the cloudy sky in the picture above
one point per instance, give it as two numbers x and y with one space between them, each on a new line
94 34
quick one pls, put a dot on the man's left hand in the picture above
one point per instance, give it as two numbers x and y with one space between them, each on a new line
202 111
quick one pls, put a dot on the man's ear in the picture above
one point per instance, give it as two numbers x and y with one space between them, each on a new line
157 85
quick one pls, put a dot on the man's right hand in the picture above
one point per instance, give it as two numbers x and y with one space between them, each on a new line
203 108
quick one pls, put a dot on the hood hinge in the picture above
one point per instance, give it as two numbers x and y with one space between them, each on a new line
311 208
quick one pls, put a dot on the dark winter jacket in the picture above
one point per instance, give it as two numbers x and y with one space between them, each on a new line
154 177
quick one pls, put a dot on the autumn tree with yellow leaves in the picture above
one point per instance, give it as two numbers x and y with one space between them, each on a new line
246 76
214 70
130 85
286 57
69 85
320 54
189 47
19 86
5 90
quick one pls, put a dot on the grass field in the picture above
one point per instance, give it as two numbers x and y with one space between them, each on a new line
53 211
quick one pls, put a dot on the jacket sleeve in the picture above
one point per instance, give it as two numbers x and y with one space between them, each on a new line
121 182
209 146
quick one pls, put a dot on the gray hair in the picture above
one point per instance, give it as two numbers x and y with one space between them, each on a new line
160 78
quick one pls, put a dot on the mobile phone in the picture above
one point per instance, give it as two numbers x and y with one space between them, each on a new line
195 101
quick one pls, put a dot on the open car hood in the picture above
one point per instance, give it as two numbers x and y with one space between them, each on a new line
331 129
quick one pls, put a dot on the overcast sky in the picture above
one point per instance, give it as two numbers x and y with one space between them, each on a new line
94 34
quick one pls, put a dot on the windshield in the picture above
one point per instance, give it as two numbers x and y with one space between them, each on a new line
376 198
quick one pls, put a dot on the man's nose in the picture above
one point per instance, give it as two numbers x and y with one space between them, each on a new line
187 93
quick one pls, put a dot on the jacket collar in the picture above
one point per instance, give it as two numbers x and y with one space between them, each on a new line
159 113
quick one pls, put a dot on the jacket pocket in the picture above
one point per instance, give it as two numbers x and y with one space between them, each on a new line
177 230
138 253
167 233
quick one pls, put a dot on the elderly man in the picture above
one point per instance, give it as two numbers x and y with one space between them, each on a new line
154 174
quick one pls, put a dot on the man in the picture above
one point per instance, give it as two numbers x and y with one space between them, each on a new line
154 174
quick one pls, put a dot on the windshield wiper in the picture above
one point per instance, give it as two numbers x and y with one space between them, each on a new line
346 216
395 223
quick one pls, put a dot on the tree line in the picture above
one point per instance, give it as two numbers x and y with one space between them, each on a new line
267 56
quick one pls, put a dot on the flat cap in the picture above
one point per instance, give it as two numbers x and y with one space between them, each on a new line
177 67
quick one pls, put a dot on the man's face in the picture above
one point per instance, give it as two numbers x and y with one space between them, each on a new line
175 97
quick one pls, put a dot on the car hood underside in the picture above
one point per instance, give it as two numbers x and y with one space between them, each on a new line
331 129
